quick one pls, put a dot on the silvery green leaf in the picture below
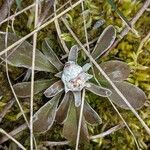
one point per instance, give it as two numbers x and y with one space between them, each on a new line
91 115
59 74
98 90
104 42
54 89
21 56
73 54
71 125
77 98
23 89
116 70
44 118
98 24
63 108
135 96
86 67
51 55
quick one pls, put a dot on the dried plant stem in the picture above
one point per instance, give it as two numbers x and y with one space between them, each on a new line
85 30
101 135
32 75
16 14
12 89
48 143
110 131
13 133
14 140
146 38
106 77
51 143
83 93
40 28
87 42
140 46
132 22
80 120
59 30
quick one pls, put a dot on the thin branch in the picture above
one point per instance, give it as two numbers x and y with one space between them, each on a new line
106 77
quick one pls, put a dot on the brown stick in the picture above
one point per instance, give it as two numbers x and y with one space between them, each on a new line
13 133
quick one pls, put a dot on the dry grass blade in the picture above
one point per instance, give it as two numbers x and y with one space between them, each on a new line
13 133
106 77
32 75
7 73
110 131
65 48
14 140
80 119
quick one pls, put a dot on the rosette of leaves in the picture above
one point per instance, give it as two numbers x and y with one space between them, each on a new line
66 92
